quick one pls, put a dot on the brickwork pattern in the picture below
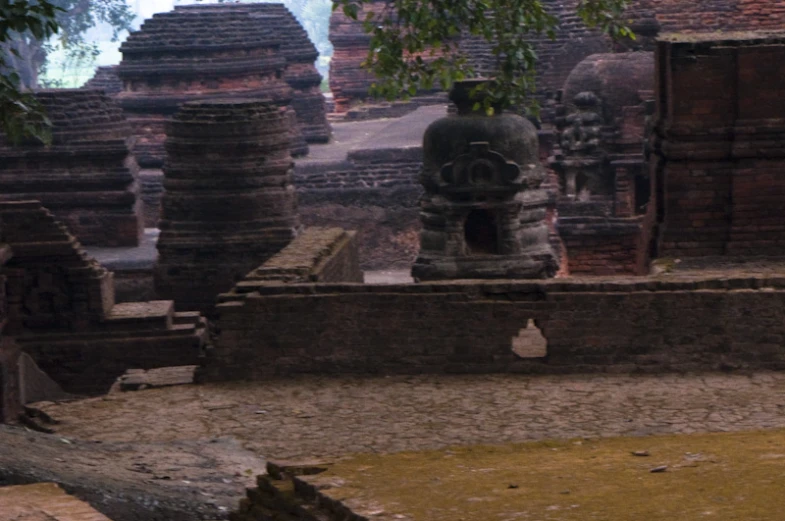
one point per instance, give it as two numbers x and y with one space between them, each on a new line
363 169
719 140
600 325
229 203
602 246
316 255
87 177
300 72
62 312
349 82
107 80
201 52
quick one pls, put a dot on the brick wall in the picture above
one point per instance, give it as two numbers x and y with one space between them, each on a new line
604 248
711 15
10 402
720 138
374 192
370 168
590 326
316 255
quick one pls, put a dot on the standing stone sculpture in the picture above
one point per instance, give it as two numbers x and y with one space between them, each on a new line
483 211
229 204
87 176
204 52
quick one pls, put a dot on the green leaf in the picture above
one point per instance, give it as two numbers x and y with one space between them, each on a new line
414 48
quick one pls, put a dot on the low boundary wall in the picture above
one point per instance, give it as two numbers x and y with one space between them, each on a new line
574 325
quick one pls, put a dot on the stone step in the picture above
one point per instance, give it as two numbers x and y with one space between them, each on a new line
157 314
193 318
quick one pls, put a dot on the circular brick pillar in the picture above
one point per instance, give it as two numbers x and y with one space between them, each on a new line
229 203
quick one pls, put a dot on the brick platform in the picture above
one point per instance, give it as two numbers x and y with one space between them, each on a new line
44 502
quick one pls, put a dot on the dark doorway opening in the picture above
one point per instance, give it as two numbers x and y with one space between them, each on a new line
481 232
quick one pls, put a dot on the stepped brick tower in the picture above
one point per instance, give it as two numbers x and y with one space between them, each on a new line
300 53
195 54
87 177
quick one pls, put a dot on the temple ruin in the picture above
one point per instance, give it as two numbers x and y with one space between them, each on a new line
61 309
165 65
299 72
107 80
609 272
229 203
603 214
483 212
87 176
349 82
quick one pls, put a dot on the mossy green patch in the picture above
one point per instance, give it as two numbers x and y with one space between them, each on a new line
739 476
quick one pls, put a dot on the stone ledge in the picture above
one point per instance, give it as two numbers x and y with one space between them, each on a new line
481 289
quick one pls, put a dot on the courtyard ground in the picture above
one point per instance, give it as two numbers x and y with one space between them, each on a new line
188 452
325 417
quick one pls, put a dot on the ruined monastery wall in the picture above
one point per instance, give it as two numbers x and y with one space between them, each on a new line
719 139
373 191
473 327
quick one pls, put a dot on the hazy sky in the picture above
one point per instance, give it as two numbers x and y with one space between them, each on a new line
74 76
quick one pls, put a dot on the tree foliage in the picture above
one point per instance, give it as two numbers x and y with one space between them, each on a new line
26 29
20 114
74 18
415 43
